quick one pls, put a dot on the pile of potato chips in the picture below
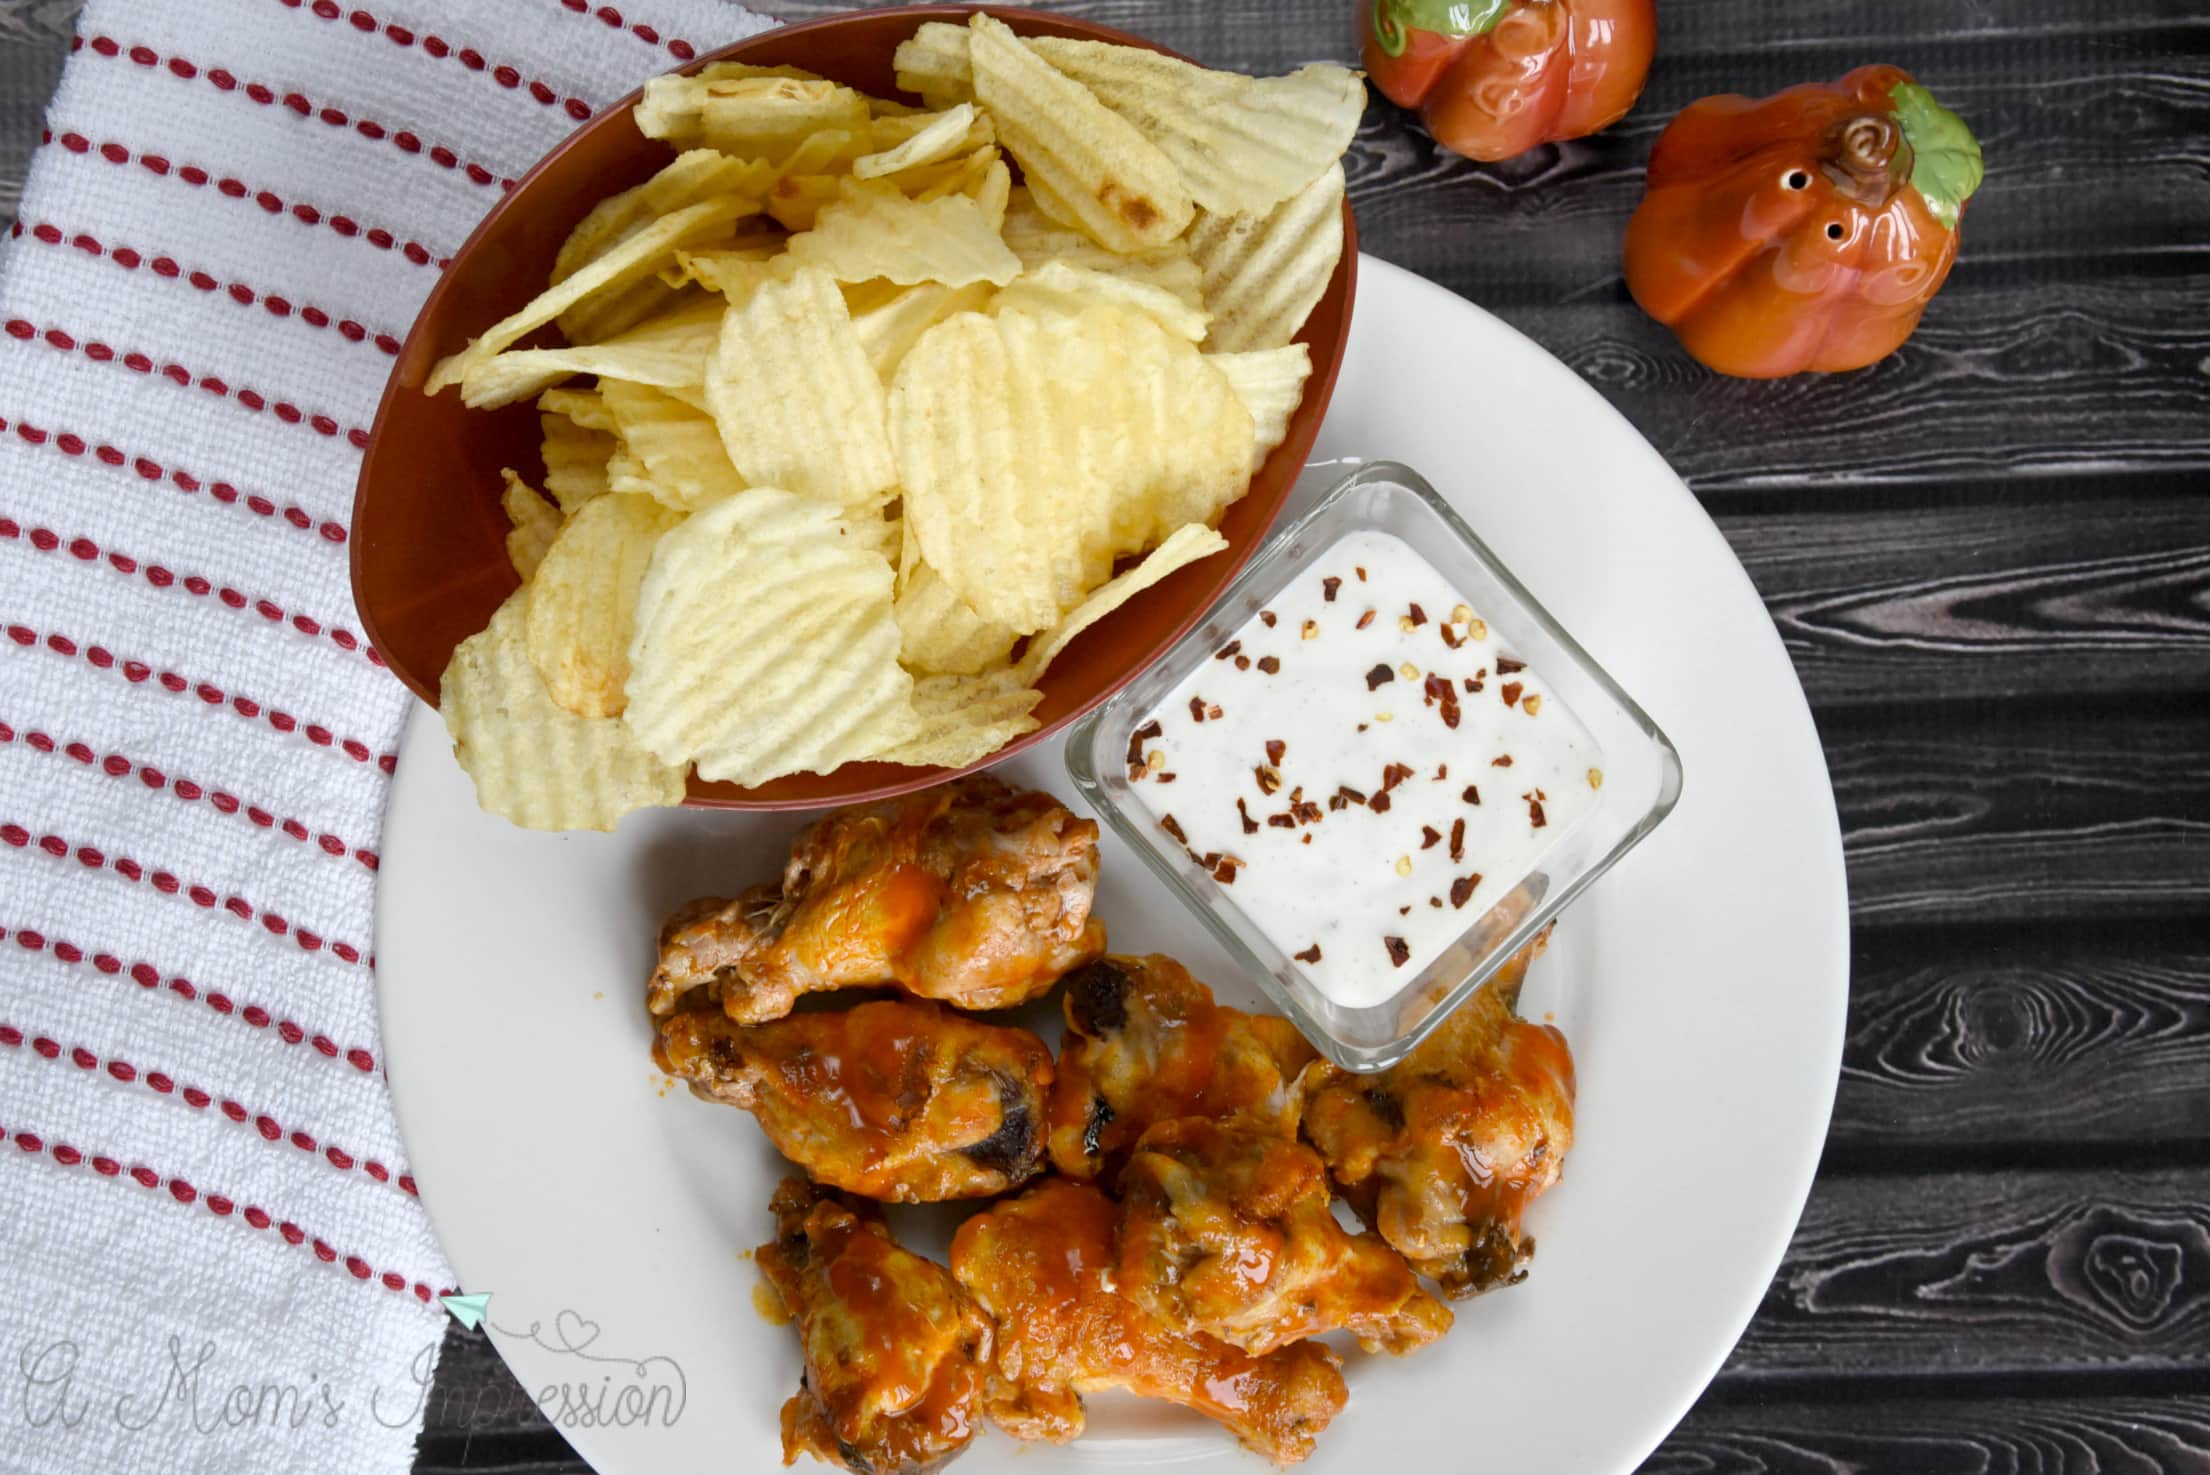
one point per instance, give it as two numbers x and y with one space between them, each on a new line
868 426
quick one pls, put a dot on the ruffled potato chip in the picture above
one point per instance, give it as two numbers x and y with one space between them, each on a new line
576 456
582 599
766 643
630 263
890 319
533 523
1241 143
797 403
1114 184
1059 287
873 230
960 720
1038 239
675 447
669 349
534 764
1271 384
920 139
940 634
1263 274
1182 547
933 63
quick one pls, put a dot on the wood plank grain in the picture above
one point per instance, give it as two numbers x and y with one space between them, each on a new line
1990 1272
1967 597
1992 815
2061 379
2046 1433
38 24
34 41
2010 1042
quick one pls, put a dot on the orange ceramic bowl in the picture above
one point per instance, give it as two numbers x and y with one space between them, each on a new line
429 538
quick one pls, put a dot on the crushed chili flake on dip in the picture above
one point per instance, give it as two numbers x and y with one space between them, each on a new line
1325 878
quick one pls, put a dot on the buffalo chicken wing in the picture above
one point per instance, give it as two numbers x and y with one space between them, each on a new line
1444 1152
1145 1043
1042 1266
1227 1229
897 1099
894 1349
972 892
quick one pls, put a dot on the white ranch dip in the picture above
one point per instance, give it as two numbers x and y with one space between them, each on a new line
1365 768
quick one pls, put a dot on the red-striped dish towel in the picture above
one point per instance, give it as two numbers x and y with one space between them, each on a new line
211 1257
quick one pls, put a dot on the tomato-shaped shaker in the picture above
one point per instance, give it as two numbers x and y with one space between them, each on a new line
1493 78
1806 230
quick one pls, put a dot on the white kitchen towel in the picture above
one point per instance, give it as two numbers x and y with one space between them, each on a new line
211 1256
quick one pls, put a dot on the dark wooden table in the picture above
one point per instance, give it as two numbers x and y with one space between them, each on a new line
1990 558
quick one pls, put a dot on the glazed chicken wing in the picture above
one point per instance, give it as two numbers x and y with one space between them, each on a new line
1042 1266
897 1099
1227 1229
1444 1152
971 892
894 1348
1145 1043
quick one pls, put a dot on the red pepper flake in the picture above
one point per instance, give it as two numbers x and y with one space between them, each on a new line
1138 772
1173 827
1442 771
1418 616
1450 636
1510 692
1306 838
1405 910
1282 821
1243 663
1212 712
1461 890
1345 796
1394 774
1503 762
1307 812
1471 684
1430 837
1361 571
1275 749
1398 950
1166 778
1328 586
1535 818
1458 839
1365 619
1224 872
1435 901
1379 676
1441 693
1268 779
1269 664
1309 955
1266 618
1227 652
1209 859
1380 802
1196 709
1505 665
1250 825
1138 738
1472 795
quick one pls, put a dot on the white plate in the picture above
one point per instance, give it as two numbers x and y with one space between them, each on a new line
1702 985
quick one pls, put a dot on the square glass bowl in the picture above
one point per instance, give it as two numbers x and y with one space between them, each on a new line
1641 778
